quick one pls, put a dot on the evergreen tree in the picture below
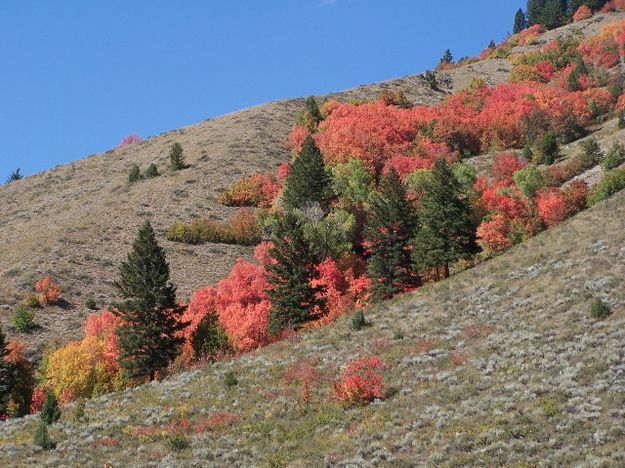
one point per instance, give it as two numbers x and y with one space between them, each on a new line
148 339
134 174
15 175
534 11
447 57
550 13
308 180
176 157
41 437
520 22
389 230
293 299
446 232
5 375
50 411
594 5
492 45
310 115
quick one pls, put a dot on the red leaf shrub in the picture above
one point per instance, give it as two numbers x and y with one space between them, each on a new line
296 139
582 13
129 140
39 396
493 234
49 292
305 374
256 190
360 382
504 165
551 207
241 304
342 289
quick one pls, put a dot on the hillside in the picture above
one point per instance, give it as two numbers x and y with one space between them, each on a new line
499 365
75 222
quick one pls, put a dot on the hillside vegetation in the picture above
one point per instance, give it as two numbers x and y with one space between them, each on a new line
501 364
436 276
75 221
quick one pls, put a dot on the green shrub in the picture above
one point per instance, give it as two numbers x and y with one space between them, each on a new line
50 411
23 319
359 321
178 442
612 182
209 339
240 229
230 379
591 152
41 437
151 172
398 334
547 149
90 303
621 119
430 79
599 309
529 180
614 158
135 174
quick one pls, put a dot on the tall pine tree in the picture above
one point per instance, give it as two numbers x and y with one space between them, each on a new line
550 13
520 22
308 180
390 227
446 228
149 338
293 299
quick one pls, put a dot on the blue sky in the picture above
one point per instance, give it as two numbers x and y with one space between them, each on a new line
79 75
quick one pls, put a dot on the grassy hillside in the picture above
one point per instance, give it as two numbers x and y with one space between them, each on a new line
500 364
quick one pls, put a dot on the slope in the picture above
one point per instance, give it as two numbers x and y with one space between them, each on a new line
76 221
500 364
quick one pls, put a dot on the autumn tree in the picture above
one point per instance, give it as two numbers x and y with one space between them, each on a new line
308 181
294 266
446 229
389 230
520 22
148 338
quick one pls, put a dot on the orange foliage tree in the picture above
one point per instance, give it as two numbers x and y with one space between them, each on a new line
48 291
360 382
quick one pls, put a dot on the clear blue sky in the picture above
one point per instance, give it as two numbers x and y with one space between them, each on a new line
78 75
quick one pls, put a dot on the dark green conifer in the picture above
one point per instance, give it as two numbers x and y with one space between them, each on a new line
176 157
520 22
50 411
447 57
293 299
41 437
308 180
149 338
389 231
446 228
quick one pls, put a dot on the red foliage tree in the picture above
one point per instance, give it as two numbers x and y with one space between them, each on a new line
493 234
582 13
129 140
551 206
